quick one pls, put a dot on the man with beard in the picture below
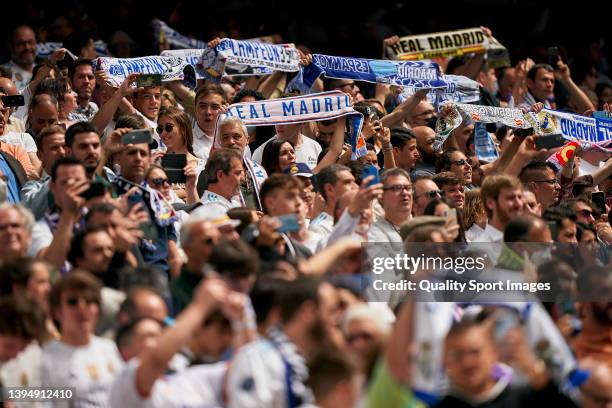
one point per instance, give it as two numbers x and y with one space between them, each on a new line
23 54
83 142
425 137
540 177
271 372
502 196
595 340
83 82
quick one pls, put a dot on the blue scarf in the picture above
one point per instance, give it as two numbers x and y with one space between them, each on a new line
165 34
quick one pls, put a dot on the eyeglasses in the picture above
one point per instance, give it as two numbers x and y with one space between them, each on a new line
586 213
460 162
431 194
159 181
552 182
399 188
169 127
74 300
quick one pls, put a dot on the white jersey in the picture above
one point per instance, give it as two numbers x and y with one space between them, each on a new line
213 200
256 377
322 224
90 369
23 371
308 152
196 387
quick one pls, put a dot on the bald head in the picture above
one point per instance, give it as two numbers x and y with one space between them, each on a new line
8 86
425 137
43 112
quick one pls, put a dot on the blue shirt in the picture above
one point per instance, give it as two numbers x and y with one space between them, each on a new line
11 181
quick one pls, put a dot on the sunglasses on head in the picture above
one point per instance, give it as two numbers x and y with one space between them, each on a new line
169 127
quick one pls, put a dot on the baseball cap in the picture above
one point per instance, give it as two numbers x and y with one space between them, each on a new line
217 217
298 169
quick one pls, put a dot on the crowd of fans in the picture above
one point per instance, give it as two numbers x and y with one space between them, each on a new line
237 279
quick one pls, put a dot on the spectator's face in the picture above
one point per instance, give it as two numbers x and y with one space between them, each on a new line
149 304
235 176
328 313
233 137
423 112
66 176
308 194
531 204
584 213
460 165
325 132
287 132
345 182
363 337
424 191
159 181
207 109
407 156
86 147
53 148
214 339
567 232
397 195
24 46
543 84
14 236
84 81
98 250
509 204
454 192
170 134
425 137
134 162
441 210
469 358
349 86
372 159
284 202
43 115
204 236
229 233
148 102
11 346
286 156
489 81
39 285
547 189
145 337
77 313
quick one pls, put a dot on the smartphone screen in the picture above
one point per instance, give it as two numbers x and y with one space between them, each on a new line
11 101
549 141
96 189
174 165
371 171
599 200
553 56
137 137
289 223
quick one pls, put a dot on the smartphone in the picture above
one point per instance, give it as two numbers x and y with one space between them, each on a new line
96 189
451 213
174 165
370 171
289 223
148 80
552 226
599 200
137 137
549 141
12 101
553 56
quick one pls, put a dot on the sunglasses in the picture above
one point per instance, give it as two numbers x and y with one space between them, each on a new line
74 301
159 181
552 182
586 213
168 128
431 194
460 162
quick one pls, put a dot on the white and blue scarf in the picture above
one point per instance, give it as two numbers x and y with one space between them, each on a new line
300 109
165 34
170 67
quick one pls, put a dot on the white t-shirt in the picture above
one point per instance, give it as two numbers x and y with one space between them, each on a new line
24 140
197 386
308 152
41 237
202 143
89 369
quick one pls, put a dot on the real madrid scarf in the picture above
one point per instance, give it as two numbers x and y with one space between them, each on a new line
592 130
459 89
416 74
300 109
171 68
44 50
449 44
234 57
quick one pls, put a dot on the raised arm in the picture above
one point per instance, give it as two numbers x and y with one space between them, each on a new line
335 146
399 115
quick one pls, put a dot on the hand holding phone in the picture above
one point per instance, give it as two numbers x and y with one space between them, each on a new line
174 165
137 137
12 101
289 223
370 171
549 141
553 56
599 200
